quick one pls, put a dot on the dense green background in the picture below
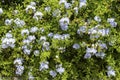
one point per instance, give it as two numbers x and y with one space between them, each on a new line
76 67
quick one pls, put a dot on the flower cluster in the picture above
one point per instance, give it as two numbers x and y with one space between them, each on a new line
93 51
82 3
38 16
59 69
31 7
8 41
17 22
18 64
61 37
64 23
66 4
27 48
112 22
110 71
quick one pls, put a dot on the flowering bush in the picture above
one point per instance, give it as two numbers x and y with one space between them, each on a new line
60 40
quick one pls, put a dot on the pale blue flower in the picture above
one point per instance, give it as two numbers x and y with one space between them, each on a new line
65 36
91 50
44 65
87 56
103 45
8 21
62 1
50 34
30 7
67 5
93 30
110 71
64 23
56 13
4 46
82 0
60 70
36 52
104 32
8 41
64 27
34 29
76 46
82 29
19 23
26 41
60 65
19 70
97 18
76 10
62 49
53 73
43 38
112 22
18 61
82 3
25 31
57 36
24 46
30 76
64 20
38 15
94 36
8 35
42 30
31 38
27 51
100 54
48 9
46 45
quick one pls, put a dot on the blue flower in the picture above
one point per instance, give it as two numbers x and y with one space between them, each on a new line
19 70
97 18
44 65
53 73
110 71
64 23
87 55
76 46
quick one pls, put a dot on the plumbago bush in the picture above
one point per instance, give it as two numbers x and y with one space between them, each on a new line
60 40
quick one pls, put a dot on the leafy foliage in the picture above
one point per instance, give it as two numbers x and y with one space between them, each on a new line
57 47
